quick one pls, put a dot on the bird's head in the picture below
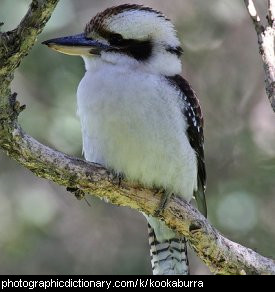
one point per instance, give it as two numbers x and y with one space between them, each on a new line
126 34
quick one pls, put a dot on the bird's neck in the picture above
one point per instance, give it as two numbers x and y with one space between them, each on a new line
164 64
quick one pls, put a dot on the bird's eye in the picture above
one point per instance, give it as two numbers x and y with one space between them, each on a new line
116 39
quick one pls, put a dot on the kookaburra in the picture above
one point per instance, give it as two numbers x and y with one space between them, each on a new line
138 116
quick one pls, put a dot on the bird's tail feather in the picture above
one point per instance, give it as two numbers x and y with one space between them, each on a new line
168 256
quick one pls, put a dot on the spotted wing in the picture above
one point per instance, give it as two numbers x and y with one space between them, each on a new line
193 115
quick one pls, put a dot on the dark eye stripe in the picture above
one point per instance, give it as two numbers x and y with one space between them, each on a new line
140 50
175 50
115 39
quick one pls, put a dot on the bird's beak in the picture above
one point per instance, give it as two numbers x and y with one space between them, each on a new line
76 45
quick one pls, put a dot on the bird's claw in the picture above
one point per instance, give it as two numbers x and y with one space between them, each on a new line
163 202
15 105
117 177
79 194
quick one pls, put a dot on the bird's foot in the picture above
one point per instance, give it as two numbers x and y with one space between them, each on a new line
163 202
79 194
117 177
15 105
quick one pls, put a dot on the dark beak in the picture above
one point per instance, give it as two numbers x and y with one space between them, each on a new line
77 45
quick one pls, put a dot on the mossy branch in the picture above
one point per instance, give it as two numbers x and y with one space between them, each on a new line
219 253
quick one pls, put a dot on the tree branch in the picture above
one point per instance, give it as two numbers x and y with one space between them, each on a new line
266 36
15 44
220 254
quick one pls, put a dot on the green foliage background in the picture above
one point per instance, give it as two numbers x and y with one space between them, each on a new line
45 230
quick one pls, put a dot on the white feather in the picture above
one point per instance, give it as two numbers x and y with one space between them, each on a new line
132 122
138 24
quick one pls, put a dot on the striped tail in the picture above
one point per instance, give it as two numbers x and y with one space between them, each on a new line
168 250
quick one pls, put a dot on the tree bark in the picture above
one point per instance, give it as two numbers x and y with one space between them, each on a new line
219 253
266 36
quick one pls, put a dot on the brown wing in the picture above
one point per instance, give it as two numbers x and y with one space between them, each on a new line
193 115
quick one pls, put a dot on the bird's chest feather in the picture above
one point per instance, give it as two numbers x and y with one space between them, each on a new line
133 123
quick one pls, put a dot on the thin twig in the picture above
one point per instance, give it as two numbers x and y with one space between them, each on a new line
266 35
254 15
271 12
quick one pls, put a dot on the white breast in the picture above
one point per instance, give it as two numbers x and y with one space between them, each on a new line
132 122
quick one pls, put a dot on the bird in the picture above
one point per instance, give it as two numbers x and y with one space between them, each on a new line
139 117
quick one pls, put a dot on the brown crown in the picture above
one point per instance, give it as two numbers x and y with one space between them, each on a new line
97 22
